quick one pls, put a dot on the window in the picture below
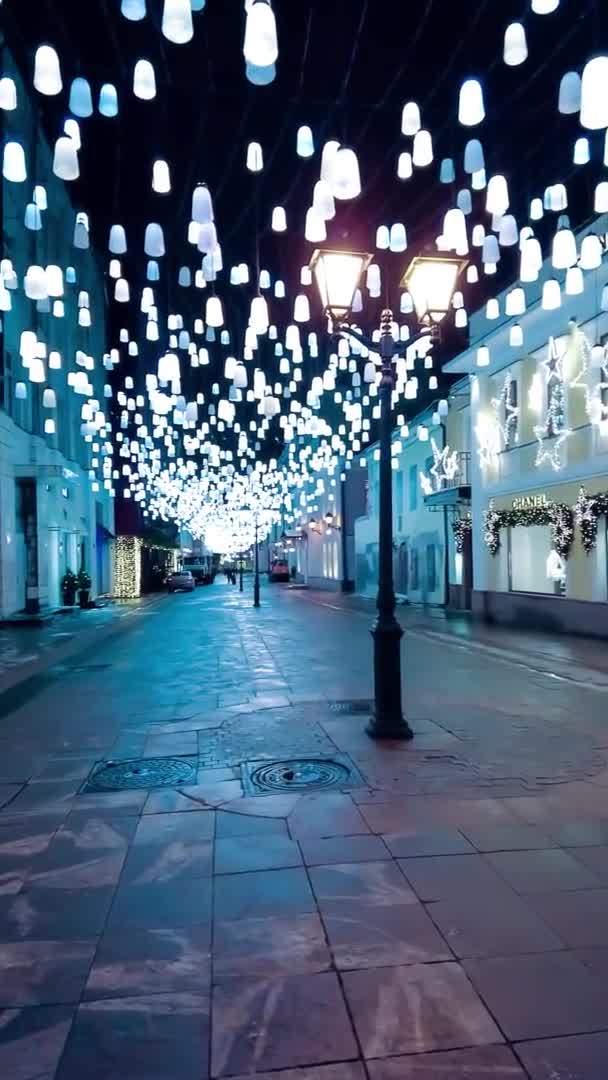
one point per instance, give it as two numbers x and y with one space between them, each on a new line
510 414
603 380
413 487
431 573
414 569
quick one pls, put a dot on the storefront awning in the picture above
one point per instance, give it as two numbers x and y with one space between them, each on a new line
454 496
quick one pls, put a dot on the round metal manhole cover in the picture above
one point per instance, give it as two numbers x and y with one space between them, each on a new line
302 774
142 773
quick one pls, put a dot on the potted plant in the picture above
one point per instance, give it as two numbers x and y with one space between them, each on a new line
68 588
83 582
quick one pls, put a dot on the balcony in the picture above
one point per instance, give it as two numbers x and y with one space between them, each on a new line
456 490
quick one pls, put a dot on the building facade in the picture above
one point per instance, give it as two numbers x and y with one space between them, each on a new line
539 414
56 508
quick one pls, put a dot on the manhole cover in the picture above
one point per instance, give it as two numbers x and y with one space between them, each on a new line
142 773
299 774
352 707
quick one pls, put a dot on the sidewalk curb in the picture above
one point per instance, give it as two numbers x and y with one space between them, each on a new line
596 680
77 646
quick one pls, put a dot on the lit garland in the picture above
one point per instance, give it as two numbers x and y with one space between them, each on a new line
127 567
559 516
587 510
462 528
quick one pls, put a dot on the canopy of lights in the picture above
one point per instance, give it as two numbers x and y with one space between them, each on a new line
227 403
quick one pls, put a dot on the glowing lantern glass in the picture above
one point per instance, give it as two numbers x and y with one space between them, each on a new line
431 282
13 163
144 81
410 118
108 100
8 94
65 159
471 109
177 21
305 146
345 180
594 94
422 153
133 9
81 101
515 47
161 178
338 274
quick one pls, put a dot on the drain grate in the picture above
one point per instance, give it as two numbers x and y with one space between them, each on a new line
141 773
299 775
352 707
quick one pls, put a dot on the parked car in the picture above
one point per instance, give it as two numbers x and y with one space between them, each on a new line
181 581
279 571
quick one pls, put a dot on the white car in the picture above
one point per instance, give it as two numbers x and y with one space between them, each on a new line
181 581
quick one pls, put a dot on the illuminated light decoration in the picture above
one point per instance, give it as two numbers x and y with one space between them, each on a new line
471 109
202 205
559 516
405 167
108 101
600 204
410 119
592 253
260 76
279 219
515 49
474 161
447 173
587 511
127 567
564 253
305 146
594 94
133 9
161 177
13 163
65 159
8 94
81 101
487 433
422 152
345 180
544 7
255 157
154 240
506 413
462 528
497 196
554 427
443 471
144 81
177 23
582 152
47 73
260 46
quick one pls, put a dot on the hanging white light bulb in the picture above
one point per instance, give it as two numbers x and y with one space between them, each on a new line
47 73
582 152
544 7
471 109
8 94
570 93
214 314
133 9
474 159
422 152
410 118
497 197
65 159
154 241
161 177
594 94
117 243
202 207
255 157
81 101
345 178
260 47
13 163
279 219
516 47
305 146
383 238
108 100
404 166
144 80
177 21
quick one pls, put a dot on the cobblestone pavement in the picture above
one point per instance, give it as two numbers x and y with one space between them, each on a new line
441 913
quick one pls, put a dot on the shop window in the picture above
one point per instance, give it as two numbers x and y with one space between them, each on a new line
413 487
431 568
530 550
414 569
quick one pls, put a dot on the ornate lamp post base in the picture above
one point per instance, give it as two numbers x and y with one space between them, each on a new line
388 721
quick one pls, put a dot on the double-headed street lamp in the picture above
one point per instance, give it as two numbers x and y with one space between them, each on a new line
431 283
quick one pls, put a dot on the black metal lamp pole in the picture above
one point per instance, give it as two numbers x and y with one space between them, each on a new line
388 721
256 583
241 573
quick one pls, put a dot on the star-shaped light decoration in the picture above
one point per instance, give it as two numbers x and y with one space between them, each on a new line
487 432
554 426
444 469
507 419
598 406
581 379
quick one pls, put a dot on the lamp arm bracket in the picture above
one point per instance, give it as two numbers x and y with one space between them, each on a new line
431 331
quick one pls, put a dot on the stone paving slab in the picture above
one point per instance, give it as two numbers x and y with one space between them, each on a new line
447 917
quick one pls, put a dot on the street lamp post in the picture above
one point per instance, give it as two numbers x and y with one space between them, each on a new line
241 573
256 583
431 283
